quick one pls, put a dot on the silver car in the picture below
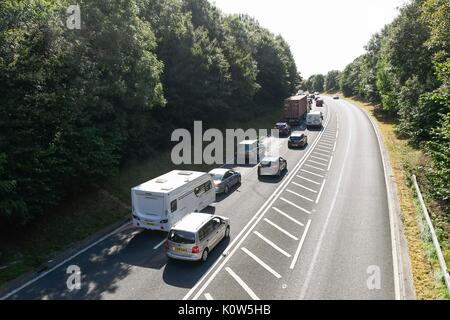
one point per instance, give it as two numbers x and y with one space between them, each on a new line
225 179
193 237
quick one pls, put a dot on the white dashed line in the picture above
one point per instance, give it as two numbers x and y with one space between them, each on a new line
329 165
288 216
320 192
319 158
159 244
317 162
297 206
314 174
309 180
310 166
297 253
322 154
299 195
242 284
262 263
306 188
280 229
208 296
273 245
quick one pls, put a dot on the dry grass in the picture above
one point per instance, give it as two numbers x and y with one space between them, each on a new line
401 154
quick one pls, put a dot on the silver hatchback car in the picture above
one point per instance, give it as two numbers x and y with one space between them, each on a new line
194 236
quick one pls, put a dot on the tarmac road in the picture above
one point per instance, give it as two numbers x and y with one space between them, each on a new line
321 231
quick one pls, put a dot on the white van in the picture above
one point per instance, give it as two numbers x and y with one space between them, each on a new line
159 203
314 119
248 150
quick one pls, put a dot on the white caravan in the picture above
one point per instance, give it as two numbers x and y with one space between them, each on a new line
159 203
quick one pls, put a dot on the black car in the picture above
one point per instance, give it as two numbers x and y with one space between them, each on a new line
284 128
336 97
298 139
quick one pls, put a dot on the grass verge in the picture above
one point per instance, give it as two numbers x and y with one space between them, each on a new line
86 213
404 158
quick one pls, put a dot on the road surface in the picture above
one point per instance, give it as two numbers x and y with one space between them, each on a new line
321 231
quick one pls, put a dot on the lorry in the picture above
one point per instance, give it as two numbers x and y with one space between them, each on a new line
294 109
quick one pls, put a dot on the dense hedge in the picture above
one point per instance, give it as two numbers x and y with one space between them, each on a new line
76 104
407 70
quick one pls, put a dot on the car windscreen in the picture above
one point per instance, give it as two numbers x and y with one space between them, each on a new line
182 237
217 176
296 138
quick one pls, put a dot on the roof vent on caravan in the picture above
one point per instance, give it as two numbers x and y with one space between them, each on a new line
185 173
161 181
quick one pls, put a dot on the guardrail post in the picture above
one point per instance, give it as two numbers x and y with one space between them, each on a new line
437 246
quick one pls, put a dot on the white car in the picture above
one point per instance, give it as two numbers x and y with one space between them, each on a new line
272 166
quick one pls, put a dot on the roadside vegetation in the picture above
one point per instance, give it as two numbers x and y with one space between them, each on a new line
89 111
404 80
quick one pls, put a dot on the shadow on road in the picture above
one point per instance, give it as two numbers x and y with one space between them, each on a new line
186 274
274 179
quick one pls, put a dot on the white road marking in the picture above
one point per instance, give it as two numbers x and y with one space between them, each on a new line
306 188
317 162
295 205
326 139
321 189
312 181
208 296
262 263
322 154
273 245
324 148
207 278
288 216
334 148
329 165
299 195
325 143
319 158
280 229
297 253
242 284
314 174
13 292
308 165
325 226
159 244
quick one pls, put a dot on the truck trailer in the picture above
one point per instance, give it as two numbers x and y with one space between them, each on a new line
294 109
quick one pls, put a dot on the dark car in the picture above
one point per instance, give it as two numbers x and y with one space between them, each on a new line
336 97
297 139
224 179
284 128
319 102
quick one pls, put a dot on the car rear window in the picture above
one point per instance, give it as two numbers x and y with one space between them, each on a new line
266 164
182 237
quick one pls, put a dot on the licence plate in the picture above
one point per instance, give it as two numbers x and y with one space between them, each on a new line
180 250
150 224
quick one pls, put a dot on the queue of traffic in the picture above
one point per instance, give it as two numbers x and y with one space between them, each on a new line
173 202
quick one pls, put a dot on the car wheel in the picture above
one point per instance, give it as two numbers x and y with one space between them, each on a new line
239 181
279 173
227 232
226 189
204 255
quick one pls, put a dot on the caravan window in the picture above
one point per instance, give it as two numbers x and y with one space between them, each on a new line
173 206
203 188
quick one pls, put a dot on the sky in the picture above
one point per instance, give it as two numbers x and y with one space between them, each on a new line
323 35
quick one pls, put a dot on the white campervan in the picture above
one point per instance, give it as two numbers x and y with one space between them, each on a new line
159 203
248 150
314 119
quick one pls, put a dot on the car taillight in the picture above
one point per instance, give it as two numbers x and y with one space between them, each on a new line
195 249
164 221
